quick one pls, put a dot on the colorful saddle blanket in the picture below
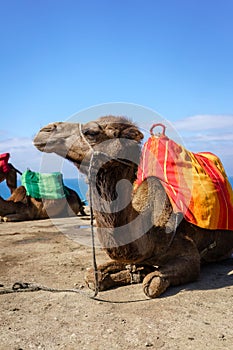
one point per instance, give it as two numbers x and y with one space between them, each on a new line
196 183
44 186
4 166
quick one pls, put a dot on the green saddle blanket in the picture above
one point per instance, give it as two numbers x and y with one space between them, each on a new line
44 186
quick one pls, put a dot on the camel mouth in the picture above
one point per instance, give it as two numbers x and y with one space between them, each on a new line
39 145
46 146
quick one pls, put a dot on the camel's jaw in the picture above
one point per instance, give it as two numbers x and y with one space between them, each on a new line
48 146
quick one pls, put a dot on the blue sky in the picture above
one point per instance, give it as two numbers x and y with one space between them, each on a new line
175 57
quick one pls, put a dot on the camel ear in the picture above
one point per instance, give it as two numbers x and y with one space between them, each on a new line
132 133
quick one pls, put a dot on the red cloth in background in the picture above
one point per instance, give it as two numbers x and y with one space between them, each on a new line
4 166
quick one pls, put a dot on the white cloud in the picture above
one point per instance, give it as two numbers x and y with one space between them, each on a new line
211 133
205 122
14 143
228 137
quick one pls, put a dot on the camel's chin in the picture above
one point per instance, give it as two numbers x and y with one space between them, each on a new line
40 146
83 168
80 164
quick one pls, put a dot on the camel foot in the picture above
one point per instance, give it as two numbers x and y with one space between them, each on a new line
154 285
112 275
3 219
12 218
82 212
107 281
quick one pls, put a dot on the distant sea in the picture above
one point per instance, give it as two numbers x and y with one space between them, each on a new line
79 185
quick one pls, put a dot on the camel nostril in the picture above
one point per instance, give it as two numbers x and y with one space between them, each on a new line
49 128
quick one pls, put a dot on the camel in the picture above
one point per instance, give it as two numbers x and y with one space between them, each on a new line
21 207
145 239
8 172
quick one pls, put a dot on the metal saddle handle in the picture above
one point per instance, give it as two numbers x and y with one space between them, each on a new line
158 124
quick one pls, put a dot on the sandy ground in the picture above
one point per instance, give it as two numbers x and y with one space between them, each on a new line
55 254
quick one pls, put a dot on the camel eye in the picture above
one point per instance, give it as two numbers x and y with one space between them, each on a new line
91 132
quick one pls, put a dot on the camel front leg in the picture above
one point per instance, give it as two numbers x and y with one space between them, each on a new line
115 274
14 218
176 271
11 180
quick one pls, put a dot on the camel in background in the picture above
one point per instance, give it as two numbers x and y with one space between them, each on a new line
8 172
20 207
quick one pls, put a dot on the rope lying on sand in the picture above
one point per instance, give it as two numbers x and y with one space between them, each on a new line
19 287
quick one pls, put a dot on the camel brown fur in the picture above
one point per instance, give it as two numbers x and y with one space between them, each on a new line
20 207
138 230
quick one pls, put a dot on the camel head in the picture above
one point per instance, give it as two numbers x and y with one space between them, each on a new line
115 136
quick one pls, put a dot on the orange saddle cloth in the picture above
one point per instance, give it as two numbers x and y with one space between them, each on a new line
196 183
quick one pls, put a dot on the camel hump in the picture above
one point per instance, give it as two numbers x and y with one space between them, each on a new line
19 195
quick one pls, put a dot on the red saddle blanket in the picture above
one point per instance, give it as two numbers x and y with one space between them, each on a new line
196 183
4 166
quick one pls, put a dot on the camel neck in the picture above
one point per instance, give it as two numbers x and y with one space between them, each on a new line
111 183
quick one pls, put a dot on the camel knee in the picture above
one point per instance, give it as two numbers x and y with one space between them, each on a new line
178 271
